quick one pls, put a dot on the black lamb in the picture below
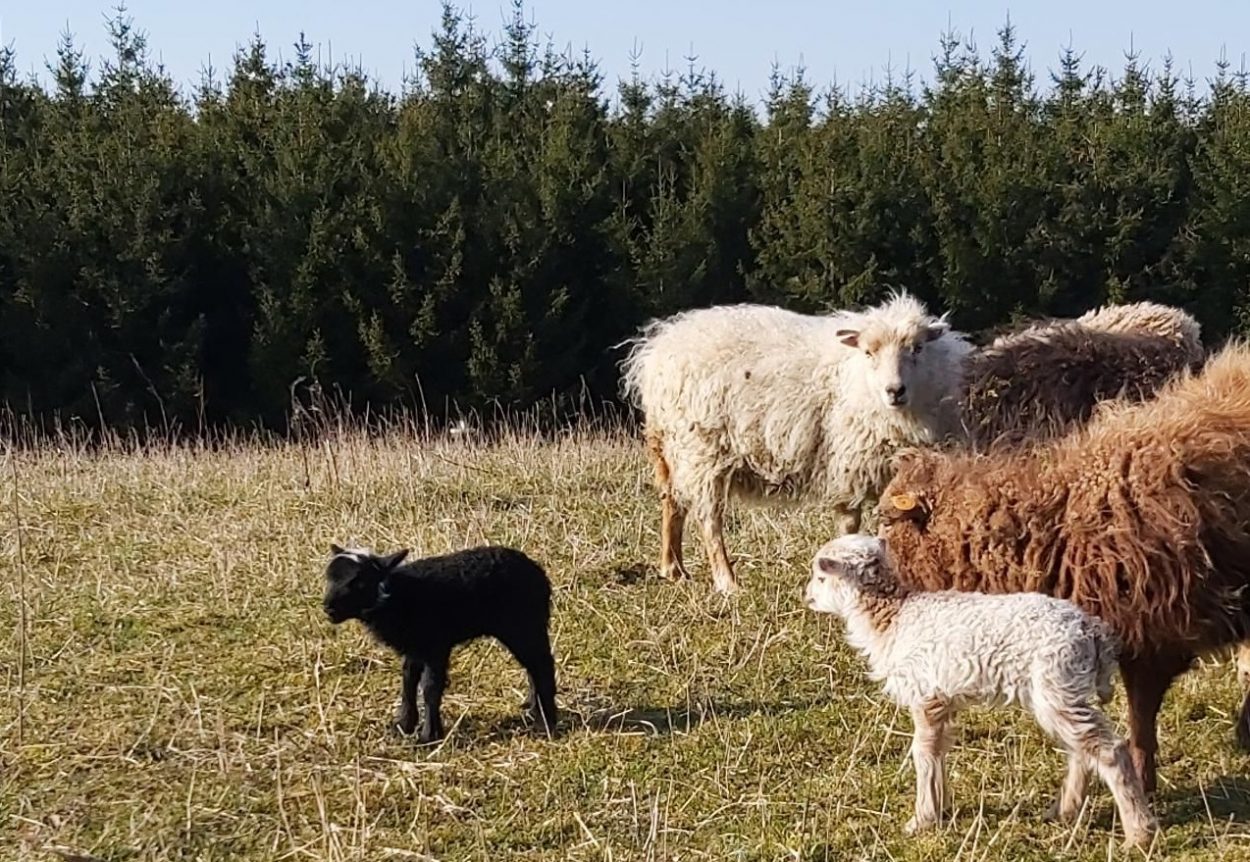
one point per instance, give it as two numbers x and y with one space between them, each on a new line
423 609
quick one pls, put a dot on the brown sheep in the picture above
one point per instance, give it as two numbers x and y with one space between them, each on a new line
1044 379
1142 518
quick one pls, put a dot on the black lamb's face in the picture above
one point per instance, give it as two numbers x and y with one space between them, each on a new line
354 580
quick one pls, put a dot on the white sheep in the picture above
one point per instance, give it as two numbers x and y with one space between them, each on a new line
764 403
937 652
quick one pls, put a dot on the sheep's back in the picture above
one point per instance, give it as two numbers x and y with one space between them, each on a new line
1139 518
1042 383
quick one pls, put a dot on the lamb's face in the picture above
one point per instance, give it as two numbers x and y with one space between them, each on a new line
892 357
841 570
354 580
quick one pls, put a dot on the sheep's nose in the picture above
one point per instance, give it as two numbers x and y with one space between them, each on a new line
897 394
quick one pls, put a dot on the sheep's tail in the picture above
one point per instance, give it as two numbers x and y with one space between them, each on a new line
634 366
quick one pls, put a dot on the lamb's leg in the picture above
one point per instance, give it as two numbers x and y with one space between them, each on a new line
1146 681
1070 725
433 683
672 514
712 522
1087 734
1072 794
406 720
1243 676
928 750
533 652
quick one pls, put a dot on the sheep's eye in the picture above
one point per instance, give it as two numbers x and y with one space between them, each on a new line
868 353
916 348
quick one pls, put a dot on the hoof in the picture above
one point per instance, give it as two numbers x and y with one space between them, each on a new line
916 826
1056 814
674 572
1139 838
536 717
1243 727
427 737
404 725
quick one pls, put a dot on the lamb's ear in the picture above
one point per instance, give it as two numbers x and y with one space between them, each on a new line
828 566
849 337
335 550
394 559
936 330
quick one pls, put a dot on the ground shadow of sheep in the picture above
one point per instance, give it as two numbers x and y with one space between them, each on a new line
627 575
667 720
1222 800
468 732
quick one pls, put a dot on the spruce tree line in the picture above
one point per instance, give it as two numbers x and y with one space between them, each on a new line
487 235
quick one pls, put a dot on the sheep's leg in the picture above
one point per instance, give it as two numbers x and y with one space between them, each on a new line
1146 681
713 524
534 654
672 524
433 683
672 513
932 740
868 518
847 522
1087 734
1243 676
406 720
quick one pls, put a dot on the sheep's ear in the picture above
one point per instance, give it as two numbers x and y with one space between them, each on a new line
936 330
335 550
906 507
394 559
849 337
828 566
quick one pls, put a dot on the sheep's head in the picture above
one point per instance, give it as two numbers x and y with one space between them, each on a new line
355 581
891 341
846 568
909 498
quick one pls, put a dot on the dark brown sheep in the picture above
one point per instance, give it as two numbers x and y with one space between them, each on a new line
1045 379
1141 518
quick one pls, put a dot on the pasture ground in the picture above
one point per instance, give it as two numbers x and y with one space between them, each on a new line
171 690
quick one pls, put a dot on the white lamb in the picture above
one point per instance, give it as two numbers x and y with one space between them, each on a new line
761 403
938 652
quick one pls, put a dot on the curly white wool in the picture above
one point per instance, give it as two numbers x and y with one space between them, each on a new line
938 652
1161 320
762 402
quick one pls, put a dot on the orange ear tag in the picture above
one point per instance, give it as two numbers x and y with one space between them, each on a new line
903 502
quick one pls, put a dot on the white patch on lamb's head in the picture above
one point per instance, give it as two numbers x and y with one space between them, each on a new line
891 340
356 581
356 554
842 569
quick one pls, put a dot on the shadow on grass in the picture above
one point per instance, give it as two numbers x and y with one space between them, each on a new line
1223 800
469 732
625 576
666 720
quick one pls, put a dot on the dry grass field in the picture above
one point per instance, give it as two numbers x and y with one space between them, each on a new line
172 691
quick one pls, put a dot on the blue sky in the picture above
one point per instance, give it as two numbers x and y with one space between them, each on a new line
845 41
